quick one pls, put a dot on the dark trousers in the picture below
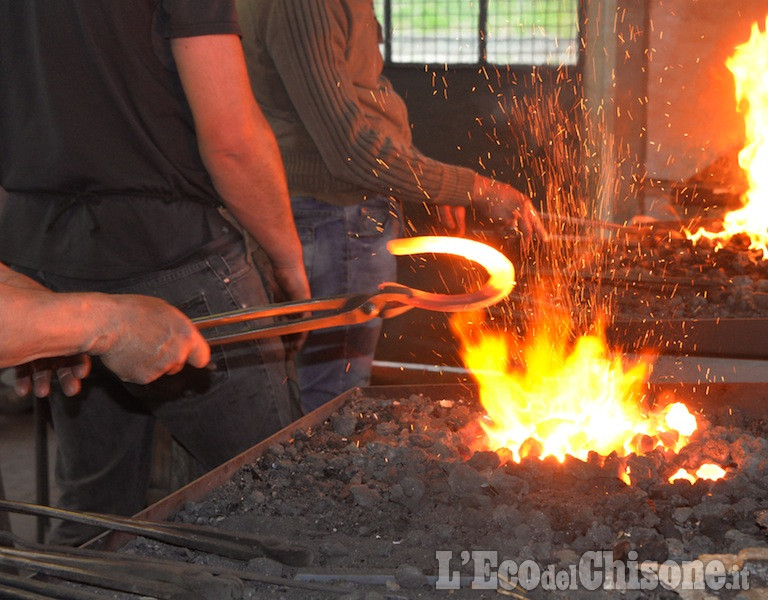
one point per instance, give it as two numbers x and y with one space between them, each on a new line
345 252
5 523
105 434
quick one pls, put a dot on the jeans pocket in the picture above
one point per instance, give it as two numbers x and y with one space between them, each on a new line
197 306
374 218
231 264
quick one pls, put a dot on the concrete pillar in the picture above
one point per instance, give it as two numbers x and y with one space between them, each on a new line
615 39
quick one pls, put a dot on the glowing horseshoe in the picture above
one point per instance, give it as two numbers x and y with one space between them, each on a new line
501 272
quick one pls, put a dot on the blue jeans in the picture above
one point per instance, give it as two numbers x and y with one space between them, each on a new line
105 434
344 253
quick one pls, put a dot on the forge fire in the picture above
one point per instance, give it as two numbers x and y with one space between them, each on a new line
749 64
570 399
554 388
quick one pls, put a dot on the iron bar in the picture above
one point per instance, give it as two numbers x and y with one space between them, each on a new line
241 546
49 565
197 576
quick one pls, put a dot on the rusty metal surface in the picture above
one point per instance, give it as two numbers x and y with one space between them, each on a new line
728 338
429 340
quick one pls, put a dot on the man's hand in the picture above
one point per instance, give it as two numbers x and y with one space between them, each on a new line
513 209
145 338
142 339
453 219
36 376
293 285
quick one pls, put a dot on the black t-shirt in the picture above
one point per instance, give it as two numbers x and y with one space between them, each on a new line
97 142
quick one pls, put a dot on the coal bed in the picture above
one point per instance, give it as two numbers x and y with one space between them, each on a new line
665 275
656 289
387 484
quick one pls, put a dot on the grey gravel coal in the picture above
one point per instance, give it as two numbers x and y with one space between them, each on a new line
386 486
664 275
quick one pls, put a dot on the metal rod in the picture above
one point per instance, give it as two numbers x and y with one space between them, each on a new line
48 590
641 229
112 566
114 561
5 522
238 545
583 222
636 279
12 593
48 566
404 366
42 486
278 310
482 30
367 577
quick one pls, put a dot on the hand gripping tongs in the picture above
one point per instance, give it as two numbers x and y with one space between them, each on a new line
392 298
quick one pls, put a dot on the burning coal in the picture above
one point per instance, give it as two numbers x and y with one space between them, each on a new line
749 65
554 394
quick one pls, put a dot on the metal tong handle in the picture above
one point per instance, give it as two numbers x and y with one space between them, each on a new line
392 298
336 311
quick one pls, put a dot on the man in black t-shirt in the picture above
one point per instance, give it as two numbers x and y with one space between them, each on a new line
126 126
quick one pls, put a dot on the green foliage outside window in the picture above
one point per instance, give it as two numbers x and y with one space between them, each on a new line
514 30
514 16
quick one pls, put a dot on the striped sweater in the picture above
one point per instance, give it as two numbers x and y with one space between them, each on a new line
316 71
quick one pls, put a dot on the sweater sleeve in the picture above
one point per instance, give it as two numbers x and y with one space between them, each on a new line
307 41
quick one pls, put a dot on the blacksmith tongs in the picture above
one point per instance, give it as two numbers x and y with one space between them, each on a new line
392 298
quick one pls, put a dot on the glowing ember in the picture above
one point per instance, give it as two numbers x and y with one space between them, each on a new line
568 399
749 65
681 420
710 471
706 471
682 474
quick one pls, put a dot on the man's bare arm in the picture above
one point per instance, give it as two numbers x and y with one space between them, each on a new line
138 337
239 150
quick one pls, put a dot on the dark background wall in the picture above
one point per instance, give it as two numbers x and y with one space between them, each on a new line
514 124
500 121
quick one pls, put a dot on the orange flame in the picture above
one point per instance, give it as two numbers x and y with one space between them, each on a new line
749 65
567 399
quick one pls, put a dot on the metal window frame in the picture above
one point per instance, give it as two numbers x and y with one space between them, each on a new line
482 32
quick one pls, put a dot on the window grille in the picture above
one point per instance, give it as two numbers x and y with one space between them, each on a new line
512 32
